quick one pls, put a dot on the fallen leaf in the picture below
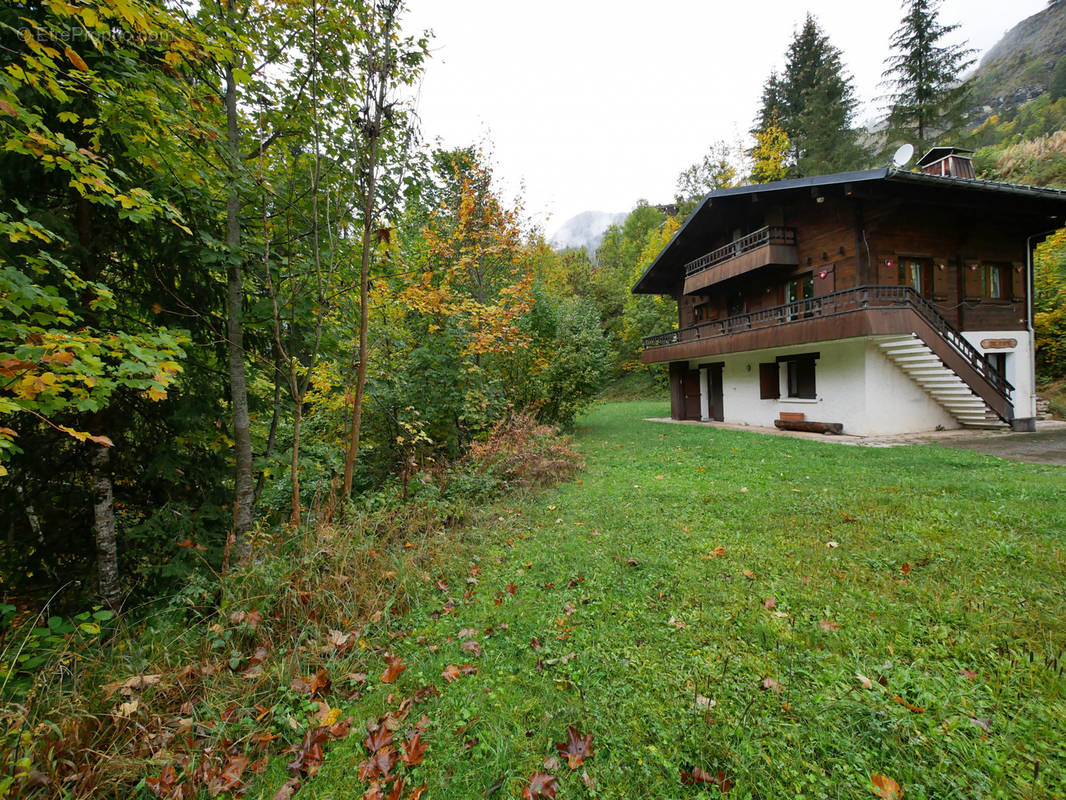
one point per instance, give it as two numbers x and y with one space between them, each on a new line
230 776
395 668
576 748
749 574
414 749
969 673
287 790
911 706
379 765
984 723
704 702
166 781
541 784
905 569
676 623
832 544
377 740
828 625
451 673
135 684
866 682
885 787
848 518
698 775
125 710
771 685
472 647
769 603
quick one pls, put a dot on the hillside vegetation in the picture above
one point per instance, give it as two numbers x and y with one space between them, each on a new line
1021 65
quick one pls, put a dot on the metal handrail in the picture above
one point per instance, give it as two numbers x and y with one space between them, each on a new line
843 302
771 234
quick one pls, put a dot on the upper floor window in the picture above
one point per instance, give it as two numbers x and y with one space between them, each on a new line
797 289
918 274
984 281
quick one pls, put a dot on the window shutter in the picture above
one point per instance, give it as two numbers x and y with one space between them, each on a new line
940 280
769 381
1017 282
972 283
805 375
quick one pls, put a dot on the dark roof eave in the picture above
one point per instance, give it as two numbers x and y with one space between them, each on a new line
648 285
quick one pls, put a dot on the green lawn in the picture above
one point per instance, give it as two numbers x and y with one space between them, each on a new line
943 569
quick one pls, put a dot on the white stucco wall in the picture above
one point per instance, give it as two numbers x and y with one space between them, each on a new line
1019 366
895 403
855 383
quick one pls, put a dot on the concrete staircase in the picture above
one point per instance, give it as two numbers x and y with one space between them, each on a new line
923 366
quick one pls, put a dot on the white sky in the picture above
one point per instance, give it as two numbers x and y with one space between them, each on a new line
592 105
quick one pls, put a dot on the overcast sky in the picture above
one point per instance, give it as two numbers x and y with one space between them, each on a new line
591 105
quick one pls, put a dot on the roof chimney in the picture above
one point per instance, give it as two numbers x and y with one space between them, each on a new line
948 162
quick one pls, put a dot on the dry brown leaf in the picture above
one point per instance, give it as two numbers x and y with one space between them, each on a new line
771 684
885 787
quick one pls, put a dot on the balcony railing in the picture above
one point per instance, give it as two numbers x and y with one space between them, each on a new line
772 234
835 304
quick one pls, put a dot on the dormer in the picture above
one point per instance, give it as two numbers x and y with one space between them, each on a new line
948 162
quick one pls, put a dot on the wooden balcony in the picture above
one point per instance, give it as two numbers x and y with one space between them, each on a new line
865 311
772 245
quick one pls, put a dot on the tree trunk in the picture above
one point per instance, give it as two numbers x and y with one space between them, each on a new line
369 201
104 518
297 418
243 483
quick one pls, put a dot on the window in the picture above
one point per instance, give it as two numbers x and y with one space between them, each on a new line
998 363
800 375
799 288
988 281
918 274
997 281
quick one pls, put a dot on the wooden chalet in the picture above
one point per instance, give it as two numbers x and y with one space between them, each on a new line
873 302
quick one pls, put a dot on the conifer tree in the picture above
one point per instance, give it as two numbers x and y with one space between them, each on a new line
813 102
927 98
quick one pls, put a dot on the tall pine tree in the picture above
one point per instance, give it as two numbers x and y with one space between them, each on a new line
813 102
927 100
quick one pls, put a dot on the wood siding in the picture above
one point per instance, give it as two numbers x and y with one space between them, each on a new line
837 238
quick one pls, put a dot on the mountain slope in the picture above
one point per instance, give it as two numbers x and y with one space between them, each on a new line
585 230
1019 66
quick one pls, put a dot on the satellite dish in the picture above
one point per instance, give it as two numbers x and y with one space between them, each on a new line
903 156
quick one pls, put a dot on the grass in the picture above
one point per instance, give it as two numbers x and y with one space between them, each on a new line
643 384
945 581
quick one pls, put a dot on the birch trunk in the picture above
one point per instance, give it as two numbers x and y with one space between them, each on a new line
104 519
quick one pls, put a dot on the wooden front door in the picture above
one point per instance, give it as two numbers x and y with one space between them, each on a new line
690 387
714 385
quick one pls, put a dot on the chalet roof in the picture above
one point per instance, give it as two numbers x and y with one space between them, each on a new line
661 275
937 153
